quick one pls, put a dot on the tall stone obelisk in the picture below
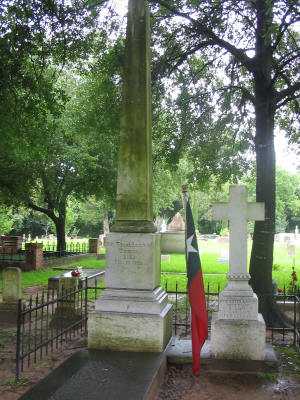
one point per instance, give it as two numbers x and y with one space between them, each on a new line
134 190
133 313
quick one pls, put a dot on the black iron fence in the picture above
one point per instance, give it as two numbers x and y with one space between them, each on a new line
50 319
286 331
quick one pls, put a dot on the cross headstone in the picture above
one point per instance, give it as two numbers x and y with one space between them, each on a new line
238 330
238 211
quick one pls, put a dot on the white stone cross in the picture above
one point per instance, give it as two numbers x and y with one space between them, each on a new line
238 211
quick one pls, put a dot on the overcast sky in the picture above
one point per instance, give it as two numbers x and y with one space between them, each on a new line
285 157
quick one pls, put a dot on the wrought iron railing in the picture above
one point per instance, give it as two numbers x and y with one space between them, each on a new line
51 318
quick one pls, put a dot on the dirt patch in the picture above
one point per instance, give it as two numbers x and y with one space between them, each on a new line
180 384
9 388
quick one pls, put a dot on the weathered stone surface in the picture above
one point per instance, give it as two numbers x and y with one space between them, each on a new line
172 242
180 352
102 375
238 307
133 312
133 301
130 331
133 261
134 187
238 339
12 286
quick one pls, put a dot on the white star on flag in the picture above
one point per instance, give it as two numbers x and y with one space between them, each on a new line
189 247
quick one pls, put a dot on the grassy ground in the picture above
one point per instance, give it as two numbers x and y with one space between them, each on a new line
174 270
215 271
40 278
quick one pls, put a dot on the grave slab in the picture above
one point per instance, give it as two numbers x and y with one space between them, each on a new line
90 274
101 375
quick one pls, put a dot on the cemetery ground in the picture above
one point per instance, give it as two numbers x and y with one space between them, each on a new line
179 383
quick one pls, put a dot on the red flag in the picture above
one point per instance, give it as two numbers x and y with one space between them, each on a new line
199 325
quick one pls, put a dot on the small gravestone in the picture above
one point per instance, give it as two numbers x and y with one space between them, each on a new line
68 310
11 293
12 289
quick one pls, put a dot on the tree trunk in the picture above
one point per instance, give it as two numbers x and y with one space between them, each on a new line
60 225
263 239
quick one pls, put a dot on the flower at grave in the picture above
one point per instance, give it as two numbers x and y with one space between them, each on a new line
76 272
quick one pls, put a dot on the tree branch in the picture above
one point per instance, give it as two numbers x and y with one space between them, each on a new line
290 91
246 93
43 210
239 54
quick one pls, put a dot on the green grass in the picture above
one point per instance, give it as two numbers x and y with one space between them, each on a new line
40 277
215 272
175 270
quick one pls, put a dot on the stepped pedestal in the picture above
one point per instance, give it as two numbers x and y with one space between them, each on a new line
238 330
133 313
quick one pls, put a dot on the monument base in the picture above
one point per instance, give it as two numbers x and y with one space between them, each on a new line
132 313
238 330
128 331
238 339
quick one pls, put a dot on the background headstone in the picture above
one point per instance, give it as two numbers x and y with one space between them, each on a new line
12 285
177 224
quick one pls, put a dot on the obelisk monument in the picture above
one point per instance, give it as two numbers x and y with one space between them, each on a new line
133 313
134 190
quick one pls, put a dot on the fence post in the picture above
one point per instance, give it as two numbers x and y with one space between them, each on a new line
295 319
18 344
94 245
34 256
85 304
